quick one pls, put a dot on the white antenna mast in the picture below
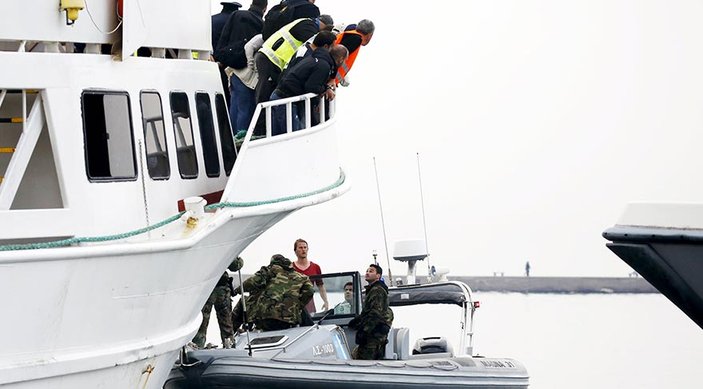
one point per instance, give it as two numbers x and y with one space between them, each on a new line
424 225
383 223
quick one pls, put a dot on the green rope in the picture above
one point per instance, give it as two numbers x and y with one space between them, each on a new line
338 183
88 239
107 238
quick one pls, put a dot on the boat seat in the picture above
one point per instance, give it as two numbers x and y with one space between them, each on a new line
398 346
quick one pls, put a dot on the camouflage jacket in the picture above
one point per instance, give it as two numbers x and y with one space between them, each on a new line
376 310
277 292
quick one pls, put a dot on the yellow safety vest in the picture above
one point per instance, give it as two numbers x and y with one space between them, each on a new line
283 53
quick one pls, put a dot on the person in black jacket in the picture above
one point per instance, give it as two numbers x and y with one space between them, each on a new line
311 75
240 27
218 23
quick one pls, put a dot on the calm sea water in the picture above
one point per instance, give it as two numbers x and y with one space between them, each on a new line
573 341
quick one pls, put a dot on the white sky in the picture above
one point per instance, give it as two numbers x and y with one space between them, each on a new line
536 123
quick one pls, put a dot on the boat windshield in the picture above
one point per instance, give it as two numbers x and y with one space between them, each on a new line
343 291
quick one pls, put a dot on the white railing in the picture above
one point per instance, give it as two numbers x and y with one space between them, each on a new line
267 108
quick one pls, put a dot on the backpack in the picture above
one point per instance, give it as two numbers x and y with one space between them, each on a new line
232 55
277 17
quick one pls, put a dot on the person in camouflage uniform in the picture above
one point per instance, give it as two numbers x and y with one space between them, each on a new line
376 318
221 299
277 296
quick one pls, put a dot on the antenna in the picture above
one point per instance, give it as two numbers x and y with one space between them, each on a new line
422 203
383 223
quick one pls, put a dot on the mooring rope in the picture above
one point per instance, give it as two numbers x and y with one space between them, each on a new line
107 238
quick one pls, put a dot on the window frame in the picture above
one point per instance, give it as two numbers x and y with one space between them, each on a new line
214 146
86 157
144 128
192 136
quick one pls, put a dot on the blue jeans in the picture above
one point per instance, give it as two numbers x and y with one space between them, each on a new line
278 116
242 104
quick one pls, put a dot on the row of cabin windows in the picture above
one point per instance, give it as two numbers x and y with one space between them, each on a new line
109 140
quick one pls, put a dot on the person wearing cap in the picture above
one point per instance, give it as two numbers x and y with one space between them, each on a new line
353 38
278 295
219 20
218 23
376 318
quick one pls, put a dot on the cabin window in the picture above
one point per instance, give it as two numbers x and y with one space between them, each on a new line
109 142
155 136
229 153
183 129
207 134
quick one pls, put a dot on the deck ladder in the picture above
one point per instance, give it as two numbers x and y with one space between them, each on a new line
32 125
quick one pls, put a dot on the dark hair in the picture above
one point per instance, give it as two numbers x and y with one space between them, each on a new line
348 283
377 267
295 245
324 38
260 4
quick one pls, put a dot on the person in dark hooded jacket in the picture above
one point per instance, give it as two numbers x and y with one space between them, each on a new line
310 75
376 318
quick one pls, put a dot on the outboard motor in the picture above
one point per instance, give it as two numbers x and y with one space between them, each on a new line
432 345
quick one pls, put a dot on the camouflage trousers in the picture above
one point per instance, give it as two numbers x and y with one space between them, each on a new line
220 298
372 349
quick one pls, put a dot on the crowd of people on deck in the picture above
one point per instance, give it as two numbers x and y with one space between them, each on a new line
288 51
280 297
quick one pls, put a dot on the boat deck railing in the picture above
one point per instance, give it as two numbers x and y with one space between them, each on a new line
307 100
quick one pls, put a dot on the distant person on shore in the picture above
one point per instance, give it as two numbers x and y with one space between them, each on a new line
345 307
376 318
309 268
527 269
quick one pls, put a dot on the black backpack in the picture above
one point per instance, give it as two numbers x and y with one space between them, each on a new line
277 17
232 55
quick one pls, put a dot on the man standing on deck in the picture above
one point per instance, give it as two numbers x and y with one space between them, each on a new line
218 23
309 268
236 41
376 318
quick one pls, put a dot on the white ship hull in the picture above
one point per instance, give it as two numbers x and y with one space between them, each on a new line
112 312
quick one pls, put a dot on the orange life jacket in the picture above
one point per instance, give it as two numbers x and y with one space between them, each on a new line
346 66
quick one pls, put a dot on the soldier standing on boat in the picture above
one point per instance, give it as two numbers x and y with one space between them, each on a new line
222 300
277 296
376 318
